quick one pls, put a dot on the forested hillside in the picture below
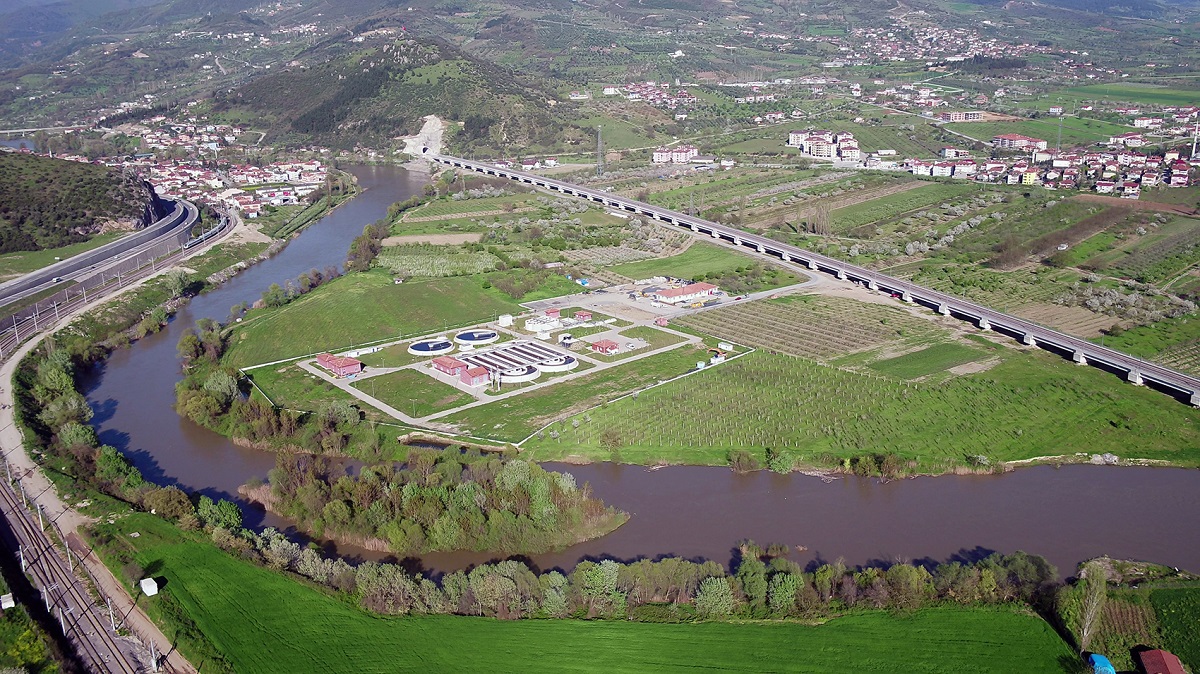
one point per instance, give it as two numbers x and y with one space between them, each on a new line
47 203
371 96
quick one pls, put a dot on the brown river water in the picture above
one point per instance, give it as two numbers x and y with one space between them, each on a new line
1067 514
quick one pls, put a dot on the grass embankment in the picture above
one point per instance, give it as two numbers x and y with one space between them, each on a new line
15 264
217 607
1031 404
361 308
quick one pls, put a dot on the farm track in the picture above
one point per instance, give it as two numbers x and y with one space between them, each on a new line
468 214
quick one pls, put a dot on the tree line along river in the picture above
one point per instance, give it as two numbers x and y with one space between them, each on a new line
1066 514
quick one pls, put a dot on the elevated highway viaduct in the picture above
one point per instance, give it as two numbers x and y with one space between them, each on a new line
1132 369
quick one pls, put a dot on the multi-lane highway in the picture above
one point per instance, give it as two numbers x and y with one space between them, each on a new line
1134 370
175 226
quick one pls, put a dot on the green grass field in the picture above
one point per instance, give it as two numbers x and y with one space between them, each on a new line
290 387
894 205
699 260
15 264
1029 404
1178 612
936 358
1130 93
262 622
361 308
413 392
512 419
1075 130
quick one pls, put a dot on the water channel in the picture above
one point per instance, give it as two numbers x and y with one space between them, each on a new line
1066 514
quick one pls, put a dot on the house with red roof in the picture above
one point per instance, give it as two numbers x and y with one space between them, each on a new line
1160 662
340 366
475 376
449 365
687 293
605 347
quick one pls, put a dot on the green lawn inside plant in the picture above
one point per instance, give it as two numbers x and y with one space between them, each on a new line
512 419
929 360
413 392
360 308
217 608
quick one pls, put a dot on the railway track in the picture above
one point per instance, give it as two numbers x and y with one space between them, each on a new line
66 596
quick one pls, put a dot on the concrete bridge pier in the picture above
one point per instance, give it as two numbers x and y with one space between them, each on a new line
1079 358
944 309
762 248
695 227
812 265
737 241
985 324
1194 399
715 235
1028 339
872 285
841 274
906 297
785 257
1134 377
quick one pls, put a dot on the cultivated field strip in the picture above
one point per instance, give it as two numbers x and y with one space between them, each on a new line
815 327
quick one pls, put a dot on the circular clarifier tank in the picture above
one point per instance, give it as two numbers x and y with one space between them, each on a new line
477 337
519 374
560 364
438 346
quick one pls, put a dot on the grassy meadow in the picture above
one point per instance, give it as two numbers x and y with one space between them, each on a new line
1075 130
1149 94
699 260
242 609
361 308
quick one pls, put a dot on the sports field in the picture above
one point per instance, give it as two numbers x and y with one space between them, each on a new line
247 612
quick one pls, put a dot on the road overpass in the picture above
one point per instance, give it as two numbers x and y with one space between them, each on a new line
176 225
1081 351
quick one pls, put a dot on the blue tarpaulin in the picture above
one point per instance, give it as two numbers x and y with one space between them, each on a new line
1100 664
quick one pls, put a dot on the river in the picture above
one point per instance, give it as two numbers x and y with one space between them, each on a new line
1067 514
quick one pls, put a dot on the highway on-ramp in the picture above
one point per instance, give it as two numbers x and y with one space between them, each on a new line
1134 370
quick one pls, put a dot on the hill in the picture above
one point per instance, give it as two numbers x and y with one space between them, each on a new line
47 203
374 95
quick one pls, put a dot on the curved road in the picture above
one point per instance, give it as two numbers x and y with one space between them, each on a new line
177 224
1135 370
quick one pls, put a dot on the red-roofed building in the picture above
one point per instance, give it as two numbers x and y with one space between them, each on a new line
583 315
449 365
687 293
340 366
1160 662
475 376
554 313
606 347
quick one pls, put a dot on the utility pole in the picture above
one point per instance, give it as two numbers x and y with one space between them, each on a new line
599 149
